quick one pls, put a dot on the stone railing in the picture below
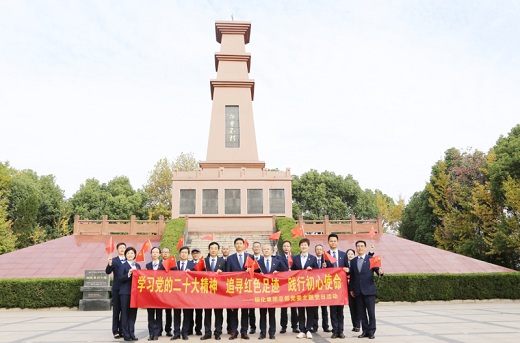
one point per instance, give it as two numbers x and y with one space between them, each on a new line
353 225
128 227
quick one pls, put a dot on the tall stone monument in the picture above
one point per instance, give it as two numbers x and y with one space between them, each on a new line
232 191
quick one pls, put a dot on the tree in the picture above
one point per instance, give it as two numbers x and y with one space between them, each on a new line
391 212
419 222
186 162
7 238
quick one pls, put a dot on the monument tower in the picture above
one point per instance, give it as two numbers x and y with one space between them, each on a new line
232 191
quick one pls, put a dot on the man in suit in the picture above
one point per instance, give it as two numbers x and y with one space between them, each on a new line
286 258
305 261
196 256
217 265
363 288
154 314
336 311
113 266
183 264
235 263
225 255
269 265
318 249
257 253
165 252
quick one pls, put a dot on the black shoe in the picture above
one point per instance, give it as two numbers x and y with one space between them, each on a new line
135 338
150 338
175 337
156 338
327 330
295 330
117 336
271 337
355 329
340 335
313 330
198 333
217 337
363 335
252 331
283 330
128 339
244 336
169 334
233 336
206 336
262 336
334 335
184 338
371 337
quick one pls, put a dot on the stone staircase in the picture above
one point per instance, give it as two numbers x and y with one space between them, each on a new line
226 239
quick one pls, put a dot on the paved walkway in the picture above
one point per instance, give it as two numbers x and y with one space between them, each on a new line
481 321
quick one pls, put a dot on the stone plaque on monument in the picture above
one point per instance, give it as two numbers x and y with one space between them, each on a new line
96 288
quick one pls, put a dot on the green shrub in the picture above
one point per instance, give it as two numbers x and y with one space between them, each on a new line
285 225
172 233
40 293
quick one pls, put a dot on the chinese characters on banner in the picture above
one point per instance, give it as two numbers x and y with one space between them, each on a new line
178 289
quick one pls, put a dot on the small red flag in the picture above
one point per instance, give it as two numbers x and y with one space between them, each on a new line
147 246
251 264
329 258
372 233
275 236
297 232
169 263
180 243
201 265
246 244
110 246
139 257
208 238
375 261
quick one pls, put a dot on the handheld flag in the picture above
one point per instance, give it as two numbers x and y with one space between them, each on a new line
110 246
169 263
329 258
201 265
140 256
147 246
209 237
372 233
275 236
251 264
375 261
180 243
297 232
246 244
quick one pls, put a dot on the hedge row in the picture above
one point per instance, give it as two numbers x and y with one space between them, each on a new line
43 293
172 233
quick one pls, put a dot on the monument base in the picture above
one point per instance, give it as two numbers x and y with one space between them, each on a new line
95 304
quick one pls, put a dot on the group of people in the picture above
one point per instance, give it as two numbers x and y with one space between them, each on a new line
304 320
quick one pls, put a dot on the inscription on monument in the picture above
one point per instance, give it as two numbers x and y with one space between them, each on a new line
232 127
95 278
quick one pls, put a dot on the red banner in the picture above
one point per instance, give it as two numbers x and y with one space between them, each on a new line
178 289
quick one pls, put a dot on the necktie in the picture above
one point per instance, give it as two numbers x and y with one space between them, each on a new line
267 266
334 255
359 263
212 265
319 263
240 260
182 265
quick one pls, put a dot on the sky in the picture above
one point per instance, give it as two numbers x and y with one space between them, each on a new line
375 89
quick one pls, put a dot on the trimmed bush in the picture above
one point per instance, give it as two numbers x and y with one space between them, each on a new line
172 233
40 293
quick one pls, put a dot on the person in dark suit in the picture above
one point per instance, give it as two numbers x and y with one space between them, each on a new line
214 264
284 258
235 263
154 314
128 314
187 314
337 318
197 323
225 255
165 252
269 265
356 323
112 267
257 253
363 288
305 261
318 249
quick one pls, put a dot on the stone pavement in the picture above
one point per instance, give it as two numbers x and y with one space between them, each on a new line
456 321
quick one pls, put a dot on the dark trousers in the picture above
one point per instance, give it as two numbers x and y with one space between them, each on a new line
367 313
284 319
116 313
337 318
233 320
252 318
263 320
168 324
186 315
324 318
352 304
198 321
154 321
306 318
219 319
128 316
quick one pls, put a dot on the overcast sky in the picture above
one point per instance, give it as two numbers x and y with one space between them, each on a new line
376 89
